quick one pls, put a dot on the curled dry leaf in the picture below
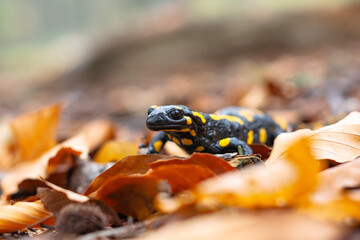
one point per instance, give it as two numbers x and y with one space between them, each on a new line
338 142
137 164
22 215
114 150
35 133
284 183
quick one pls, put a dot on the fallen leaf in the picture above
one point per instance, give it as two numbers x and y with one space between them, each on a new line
129 195
38 168
214 164
282 184
181 176
22 215
115 150
339 142
35 132
85 141
137 164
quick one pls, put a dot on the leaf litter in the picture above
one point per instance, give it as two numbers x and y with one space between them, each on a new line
291 189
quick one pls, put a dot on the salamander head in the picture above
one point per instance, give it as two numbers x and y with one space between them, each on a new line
170 118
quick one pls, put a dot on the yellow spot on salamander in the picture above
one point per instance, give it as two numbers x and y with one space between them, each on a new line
224 142
154 107
169 136
196 114
230 118
175 140
193 133
263 135
188 120
176 130
248 114
282 123
199 149
250 137
158 145
179 107
186 141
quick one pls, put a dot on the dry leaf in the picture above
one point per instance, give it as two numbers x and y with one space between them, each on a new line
129 195
214 164
38 168
35 133
284 183
137 164
22 215
115 150
182 176
339 142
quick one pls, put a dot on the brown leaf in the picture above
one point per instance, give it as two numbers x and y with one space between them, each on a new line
129 195
182 176
214 164
35 133
137 164
22 215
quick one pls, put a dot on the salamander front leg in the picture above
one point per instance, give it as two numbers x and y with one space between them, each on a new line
232 144
157 143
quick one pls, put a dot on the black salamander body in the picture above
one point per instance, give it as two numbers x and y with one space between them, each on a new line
221 132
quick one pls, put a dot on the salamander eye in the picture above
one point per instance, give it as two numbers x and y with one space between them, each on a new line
176 114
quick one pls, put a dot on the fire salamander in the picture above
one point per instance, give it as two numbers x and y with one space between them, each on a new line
222 132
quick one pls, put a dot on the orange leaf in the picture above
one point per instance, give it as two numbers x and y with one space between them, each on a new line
115 150
214 164
35 132
130 195
22 215
182 176
137 164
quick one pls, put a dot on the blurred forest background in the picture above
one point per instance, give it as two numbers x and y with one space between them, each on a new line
115 58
